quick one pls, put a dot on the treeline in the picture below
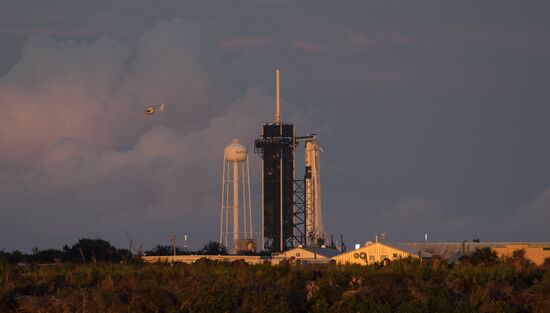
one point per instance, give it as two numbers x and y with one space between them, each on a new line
85 250
99 250
510 285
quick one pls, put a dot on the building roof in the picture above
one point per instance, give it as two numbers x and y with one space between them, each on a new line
452 251
326 252
408 249
396 246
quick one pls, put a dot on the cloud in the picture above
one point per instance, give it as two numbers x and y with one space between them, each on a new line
360 39
309 46
530 221
410 218
245 43
79 158
72 33
402 39
239 43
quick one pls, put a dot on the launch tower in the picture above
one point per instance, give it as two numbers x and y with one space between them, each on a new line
276 148
291 209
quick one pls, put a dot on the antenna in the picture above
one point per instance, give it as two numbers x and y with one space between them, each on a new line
278 89
173 240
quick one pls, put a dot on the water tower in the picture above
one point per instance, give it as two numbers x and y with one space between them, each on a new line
236 231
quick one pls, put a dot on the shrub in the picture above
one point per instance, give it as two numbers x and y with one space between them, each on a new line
403 286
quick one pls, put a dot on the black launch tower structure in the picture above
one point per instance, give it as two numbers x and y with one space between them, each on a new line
283 197
276 148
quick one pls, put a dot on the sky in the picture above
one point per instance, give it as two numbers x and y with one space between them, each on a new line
434 116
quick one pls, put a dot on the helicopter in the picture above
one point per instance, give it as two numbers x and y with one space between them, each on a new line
153 109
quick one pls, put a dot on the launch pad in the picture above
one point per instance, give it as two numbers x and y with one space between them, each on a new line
291 209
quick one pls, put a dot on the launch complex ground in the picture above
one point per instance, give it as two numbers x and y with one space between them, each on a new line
292 220
377 252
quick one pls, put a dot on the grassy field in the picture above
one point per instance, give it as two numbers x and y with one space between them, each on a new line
403 286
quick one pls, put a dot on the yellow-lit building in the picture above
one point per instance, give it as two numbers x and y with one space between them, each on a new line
377 252
534 252
451 252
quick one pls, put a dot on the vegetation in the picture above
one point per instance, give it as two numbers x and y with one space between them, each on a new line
166 250
98 250
512 285
213 248
481 256
85 250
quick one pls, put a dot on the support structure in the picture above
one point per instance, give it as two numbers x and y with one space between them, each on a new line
299 213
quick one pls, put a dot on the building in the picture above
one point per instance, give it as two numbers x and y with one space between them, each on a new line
377 252
535 252
189 259
451 252
306 255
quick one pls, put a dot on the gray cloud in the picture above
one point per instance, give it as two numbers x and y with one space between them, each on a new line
529 220
79 158
444 120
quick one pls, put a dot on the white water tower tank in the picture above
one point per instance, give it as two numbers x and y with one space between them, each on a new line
235 152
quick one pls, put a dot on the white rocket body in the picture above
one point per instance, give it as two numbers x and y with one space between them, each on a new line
315 229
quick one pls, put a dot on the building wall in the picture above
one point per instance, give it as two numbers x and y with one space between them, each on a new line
451 252
372 253
535 253
300 253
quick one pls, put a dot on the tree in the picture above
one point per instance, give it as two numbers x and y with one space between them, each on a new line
166 250
519 260
484 256
14 256
213 247
92 250
48 256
